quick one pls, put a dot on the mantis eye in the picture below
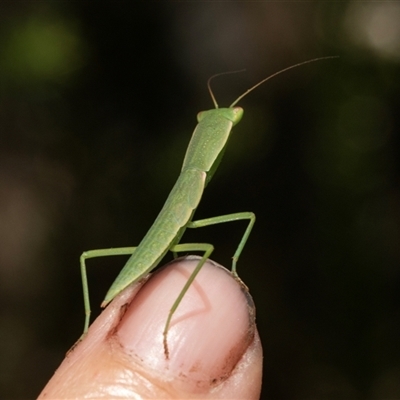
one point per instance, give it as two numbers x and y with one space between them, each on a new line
237 115
200 116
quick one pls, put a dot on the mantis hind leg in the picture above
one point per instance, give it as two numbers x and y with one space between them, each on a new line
208 249
179 248
94 254
230 218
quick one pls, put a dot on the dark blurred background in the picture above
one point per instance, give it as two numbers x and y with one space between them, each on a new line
98 101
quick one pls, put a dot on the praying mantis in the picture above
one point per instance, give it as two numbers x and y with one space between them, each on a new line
203 156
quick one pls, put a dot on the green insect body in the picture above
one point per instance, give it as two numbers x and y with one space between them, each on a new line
203 152
203 155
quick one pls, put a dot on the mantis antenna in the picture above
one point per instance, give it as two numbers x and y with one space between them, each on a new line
214 76
261 82
277 73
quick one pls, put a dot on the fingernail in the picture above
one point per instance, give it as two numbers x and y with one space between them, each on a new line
209 332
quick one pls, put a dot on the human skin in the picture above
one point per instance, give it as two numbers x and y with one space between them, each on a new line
214 348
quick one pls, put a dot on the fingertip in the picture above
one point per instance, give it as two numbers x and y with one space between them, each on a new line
214 347
209 331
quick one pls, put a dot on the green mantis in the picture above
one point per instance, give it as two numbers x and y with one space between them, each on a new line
203 156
